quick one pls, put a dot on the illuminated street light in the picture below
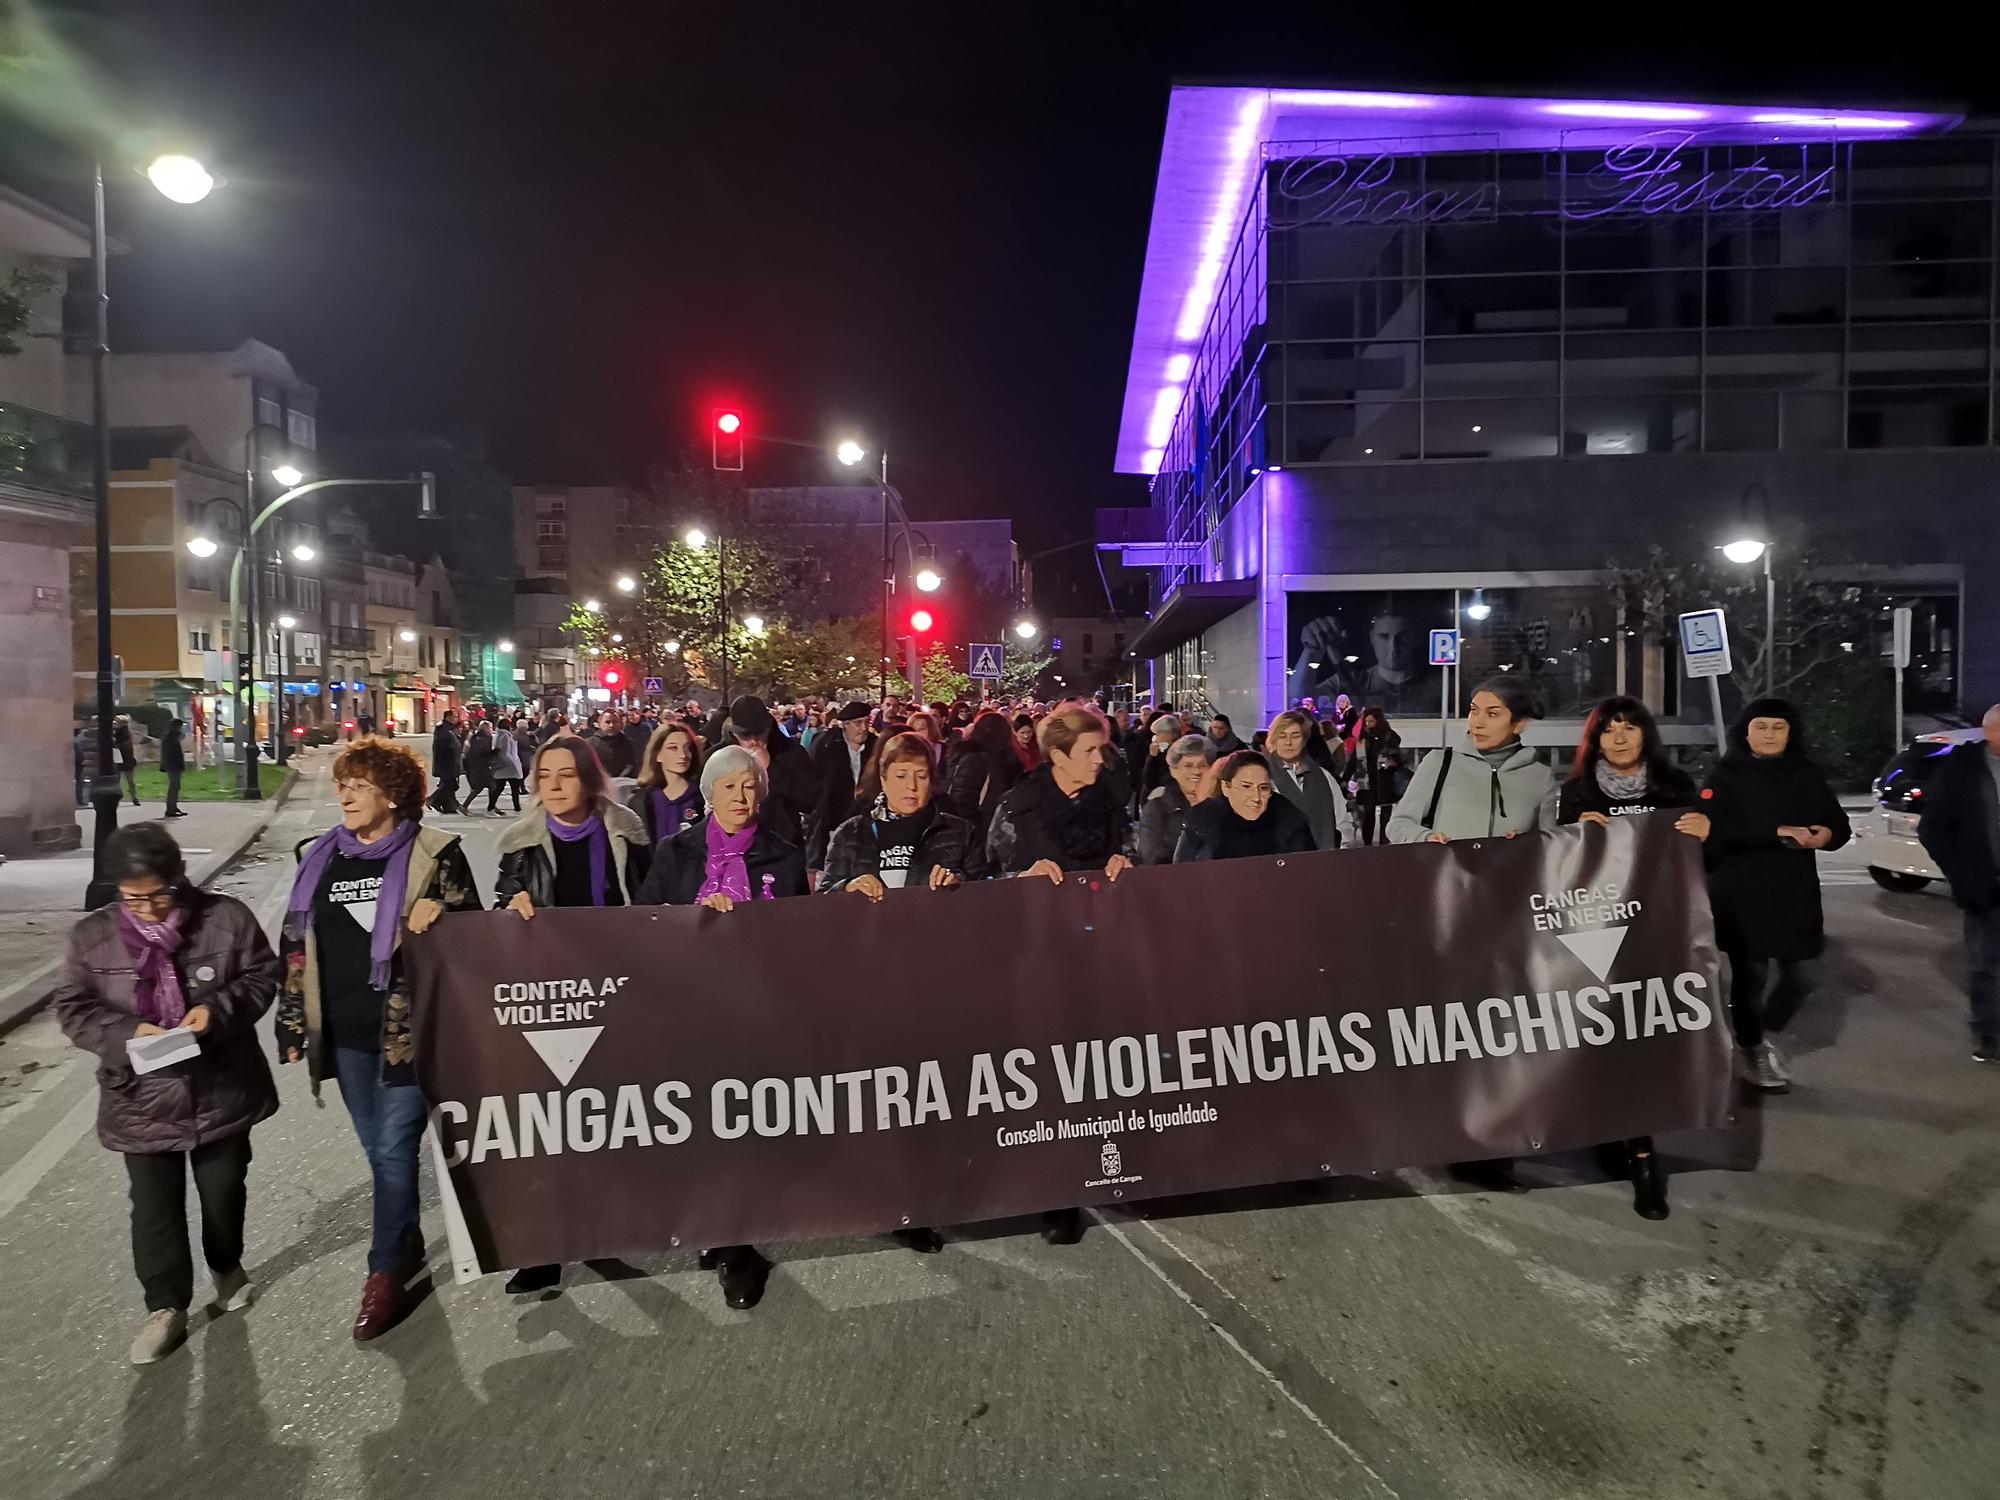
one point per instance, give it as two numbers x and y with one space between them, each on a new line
755 625
506 647
595 606
1027 630
673 648
289 475
930 580
406 634
202 546
1745 549
180 178
627 583
287 622
617 639
303 552
1478 609
850 453
695 537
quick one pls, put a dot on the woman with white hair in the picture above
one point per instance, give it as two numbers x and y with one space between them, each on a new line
1166 806
730 856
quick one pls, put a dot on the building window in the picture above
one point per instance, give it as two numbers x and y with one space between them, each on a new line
268 412
200 640
302 428
1089 643
551 505
308 592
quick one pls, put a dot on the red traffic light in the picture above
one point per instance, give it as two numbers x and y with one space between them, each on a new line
725 436
612 676
727 422
920 620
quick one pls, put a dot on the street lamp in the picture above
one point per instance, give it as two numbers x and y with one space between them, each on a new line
506 648
303 552
695 537
289 475
851 452
930 580
673 648
595 606
626 583
202 545
755 625
181 178
1478 609
1027 630
406 634
1743 551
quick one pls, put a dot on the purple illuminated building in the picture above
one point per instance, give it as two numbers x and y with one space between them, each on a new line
1397 354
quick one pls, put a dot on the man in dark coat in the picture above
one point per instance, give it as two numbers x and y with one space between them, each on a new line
794 793
173 761
837 762
446 760
615 753
1960 826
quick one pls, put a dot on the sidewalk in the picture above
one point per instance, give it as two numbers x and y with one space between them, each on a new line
41 899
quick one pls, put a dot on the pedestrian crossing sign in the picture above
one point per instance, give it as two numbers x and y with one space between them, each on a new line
986 659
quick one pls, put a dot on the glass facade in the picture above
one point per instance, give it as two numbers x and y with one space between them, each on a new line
1485 305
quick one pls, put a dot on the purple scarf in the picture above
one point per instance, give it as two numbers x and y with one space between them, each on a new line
591 828
670 814
151 946
393 847
727 872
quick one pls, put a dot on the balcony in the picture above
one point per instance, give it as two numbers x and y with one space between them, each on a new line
39 451
351 638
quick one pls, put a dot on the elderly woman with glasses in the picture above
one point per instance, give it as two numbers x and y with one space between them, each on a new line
728 858
169 957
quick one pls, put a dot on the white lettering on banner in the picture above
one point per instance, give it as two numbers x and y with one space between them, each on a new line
1547 1020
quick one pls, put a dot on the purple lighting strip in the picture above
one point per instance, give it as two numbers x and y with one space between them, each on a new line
1218 138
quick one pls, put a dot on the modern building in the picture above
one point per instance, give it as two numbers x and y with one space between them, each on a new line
1400 355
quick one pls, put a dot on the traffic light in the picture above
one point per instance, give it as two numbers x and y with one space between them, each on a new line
611 675
921 621
725 431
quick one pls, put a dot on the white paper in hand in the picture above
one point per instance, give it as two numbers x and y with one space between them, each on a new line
151 1053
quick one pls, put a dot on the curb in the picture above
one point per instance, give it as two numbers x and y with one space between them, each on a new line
25 997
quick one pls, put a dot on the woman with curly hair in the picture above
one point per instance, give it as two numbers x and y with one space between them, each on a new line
345 1009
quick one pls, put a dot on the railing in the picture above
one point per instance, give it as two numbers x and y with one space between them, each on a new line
351 638
44 452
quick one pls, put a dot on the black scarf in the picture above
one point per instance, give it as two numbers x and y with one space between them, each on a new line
1083 828
1239 838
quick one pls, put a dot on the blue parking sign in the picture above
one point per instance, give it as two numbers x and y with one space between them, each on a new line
1444 648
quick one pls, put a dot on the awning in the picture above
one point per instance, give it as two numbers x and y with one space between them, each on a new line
1191 609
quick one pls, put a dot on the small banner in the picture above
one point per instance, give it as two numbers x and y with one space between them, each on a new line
633 1080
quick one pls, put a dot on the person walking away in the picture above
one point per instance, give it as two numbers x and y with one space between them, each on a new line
1771 810
1490 785
1055 822
1622 770
729 857
980 768
128 756
618 755
837 760
447 759
578 847
480 750
1960 826
1248 818
169 956
173 762
362 888
667 796
1307 784
503 772
1376 774
792 792
1162 813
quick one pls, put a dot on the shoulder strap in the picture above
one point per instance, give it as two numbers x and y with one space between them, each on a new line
1437 789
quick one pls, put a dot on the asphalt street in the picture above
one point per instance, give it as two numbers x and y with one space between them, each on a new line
1817 1319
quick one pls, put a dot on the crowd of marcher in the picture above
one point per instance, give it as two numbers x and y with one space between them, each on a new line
748 804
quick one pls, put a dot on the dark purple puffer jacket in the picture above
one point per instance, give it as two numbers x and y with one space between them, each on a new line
226 964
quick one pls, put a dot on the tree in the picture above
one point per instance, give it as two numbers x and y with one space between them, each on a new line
19 292
1022 674
943 682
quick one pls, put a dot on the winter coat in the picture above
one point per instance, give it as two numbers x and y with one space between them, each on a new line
173 756
479 758
527 853
1477 802
834 803
1582 794
1341 831
1229 744
1203 830
614 753
1765 892
794 790
948 843
1376 769
438 870
447 754
1956 825
639 802
506 764
225 964
1160 818
680 865
974 783
1026 824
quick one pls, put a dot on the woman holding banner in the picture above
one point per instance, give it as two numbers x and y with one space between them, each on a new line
1622 770
1055 822
577 847
1245 818
345 1008
728 858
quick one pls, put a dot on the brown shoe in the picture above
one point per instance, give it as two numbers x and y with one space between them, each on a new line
384 1304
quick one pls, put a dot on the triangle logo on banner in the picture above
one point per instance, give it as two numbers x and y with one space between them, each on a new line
565 1048
1596 949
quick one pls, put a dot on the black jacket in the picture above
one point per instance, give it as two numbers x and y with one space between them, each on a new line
1160 817
1580 795
614 753
974 783
1035 821
1203 830
1765 892
834 803
479 760
640 801
681 864
172 756
446 753
528 861
1956 826
948 842
794 790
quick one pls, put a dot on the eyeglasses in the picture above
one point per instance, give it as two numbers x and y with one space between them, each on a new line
163 896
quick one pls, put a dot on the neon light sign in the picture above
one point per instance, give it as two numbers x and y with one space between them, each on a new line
1649 177
1351 190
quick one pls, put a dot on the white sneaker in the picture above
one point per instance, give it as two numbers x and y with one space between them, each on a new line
1769 1068
233 1291
161 1334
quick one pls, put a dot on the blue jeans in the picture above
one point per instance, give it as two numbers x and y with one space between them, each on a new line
1982 972
389 1120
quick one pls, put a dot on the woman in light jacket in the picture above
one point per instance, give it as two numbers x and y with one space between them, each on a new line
504 770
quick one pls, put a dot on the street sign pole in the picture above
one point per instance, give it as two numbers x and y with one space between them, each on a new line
1900 649
1705 653
1444 655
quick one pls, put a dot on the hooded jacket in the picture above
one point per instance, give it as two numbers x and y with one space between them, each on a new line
225 964
527 853
1477 801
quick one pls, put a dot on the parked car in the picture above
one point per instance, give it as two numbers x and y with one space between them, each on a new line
1887 837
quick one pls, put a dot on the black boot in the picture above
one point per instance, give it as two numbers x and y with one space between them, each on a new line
1495 1176
742 1272
533 1279
1649 1186
1063 1226
923 1241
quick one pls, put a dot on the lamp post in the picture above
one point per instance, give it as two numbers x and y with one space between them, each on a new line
183 180
850 453
1743 551
286 624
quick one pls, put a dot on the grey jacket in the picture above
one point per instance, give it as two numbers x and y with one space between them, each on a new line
1287 786
1477 801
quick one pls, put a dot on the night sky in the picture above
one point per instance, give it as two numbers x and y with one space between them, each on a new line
567 228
